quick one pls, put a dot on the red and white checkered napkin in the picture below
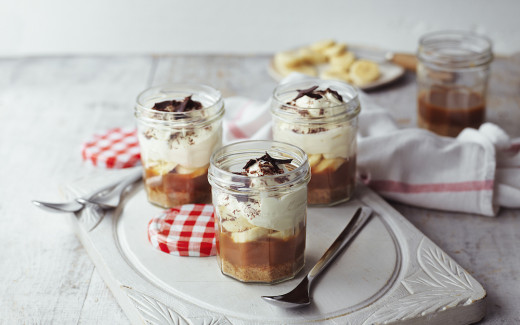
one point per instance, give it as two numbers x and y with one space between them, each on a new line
114 148
186 230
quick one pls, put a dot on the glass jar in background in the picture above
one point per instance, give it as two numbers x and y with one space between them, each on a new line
260 214
321 117
179 126
452 78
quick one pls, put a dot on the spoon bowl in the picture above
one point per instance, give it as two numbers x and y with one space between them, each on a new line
300 295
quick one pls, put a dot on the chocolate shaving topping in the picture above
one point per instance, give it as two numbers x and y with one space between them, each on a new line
316 94
335 94
268 164
309 92
317 130
250 163
186 105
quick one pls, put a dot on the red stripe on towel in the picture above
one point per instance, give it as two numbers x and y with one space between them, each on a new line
237 133
233 128
395 186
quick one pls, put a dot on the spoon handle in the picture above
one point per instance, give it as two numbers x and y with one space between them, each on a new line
353 227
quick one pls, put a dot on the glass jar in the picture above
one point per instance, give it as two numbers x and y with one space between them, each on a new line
326 134
177 142
452 78
260 220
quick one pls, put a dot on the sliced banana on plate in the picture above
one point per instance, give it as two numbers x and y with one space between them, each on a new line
336 74
343 61
363 72
335 50
327 59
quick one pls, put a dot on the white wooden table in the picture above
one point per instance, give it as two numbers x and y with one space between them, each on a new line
49 106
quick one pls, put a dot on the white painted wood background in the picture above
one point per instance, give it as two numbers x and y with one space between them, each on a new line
35 27
48 106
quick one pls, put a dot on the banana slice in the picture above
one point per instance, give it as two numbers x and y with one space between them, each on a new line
249 235
285 60
237 225
363 72
192 171
305 69
335 74
163 168
343 61
330 164
322 45
284 234
242 231
335 50
315 159
308 56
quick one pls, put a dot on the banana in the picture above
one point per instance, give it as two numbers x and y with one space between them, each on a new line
322 45
302 61
363 72
194 172
335 50
335 74
163 168
242 231
285 60
308 56
314 159
331 164
237 225
284 234
249 235
343 61
305 69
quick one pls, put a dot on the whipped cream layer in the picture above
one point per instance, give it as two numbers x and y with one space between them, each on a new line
333 140
186 147
265 207
272 212
327 100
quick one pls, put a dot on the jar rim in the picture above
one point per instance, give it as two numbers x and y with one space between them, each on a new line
161 92
352 106
455 49
302 169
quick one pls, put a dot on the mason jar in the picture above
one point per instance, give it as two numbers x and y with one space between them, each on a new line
179 126
260 220
452 79
326 132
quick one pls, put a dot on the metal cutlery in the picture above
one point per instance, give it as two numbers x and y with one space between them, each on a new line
113 199
114 189
300 295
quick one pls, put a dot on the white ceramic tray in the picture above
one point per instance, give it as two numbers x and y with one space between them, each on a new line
391 273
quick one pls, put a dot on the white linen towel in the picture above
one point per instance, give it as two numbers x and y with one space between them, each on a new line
477 172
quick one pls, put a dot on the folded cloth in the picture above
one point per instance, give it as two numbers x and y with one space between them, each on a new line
477 172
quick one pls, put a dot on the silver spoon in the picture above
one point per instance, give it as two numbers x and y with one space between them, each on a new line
75 206
299 296
112 199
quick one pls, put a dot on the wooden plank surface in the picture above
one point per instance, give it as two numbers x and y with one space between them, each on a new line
49 106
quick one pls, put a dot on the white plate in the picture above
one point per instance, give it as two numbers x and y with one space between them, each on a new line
390 273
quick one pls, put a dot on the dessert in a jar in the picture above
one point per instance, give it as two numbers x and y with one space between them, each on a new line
320 116
179 127
260 198
452 78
